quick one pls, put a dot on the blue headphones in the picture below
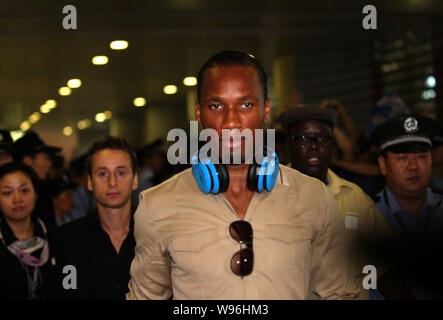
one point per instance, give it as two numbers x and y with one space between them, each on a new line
214 178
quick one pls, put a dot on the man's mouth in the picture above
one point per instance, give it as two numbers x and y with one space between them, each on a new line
313 161
413 179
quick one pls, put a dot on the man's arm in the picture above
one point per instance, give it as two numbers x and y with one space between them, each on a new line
150 269
330 267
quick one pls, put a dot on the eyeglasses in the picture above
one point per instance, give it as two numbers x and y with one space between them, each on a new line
304 141
242 262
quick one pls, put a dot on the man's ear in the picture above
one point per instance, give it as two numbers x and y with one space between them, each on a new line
135 181
382 164
267 111
197 113
89 183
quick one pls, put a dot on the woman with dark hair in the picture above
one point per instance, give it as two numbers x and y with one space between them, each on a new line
27 266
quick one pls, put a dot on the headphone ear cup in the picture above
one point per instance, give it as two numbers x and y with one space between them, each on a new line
202 176
252 177
223 177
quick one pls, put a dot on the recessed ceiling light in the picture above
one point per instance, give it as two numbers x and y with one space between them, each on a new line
190 81
119 45
74 83
100 60
64 91
170 89
139 102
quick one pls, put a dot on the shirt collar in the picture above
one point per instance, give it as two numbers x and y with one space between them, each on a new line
334 184
96 219
431 201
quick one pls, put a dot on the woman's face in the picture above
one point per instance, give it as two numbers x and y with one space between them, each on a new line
17 196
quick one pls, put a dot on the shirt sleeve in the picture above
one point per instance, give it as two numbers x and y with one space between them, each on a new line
330 267
150 269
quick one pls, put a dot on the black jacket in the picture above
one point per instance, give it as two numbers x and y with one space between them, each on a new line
86 246
13 278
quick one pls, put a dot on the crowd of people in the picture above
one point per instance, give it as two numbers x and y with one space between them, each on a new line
302 224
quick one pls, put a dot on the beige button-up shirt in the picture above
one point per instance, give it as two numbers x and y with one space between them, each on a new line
364 224
184 247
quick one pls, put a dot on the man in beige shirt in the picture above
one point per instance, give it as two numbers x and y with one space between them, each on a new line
290 238
310 132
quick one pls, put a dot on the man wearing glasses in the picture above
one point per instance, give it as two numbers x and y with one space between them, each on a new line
190 228
310 139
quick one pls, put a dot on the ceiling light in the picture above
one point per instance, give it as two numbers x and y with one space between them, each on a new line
430 82
64 91
51 103
83 124
190 81
100 117
108 114
67 131
74 83
25 125
33 118
119 45
251 55
170 89
139 102
100 60
45 108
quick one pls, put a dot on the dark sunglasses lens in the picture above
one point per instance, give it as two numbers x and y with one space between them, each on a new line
241 231
242 262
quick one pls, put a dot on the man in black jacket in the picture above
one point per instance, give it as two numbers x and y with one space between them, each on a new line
99 248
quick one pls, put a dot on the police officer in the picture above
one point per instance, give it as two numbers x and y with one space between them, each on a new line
412 209
310 143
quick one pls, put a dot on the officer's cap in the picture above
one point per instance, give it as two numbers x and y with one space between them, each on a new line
307 112
5 140
406 134
31 143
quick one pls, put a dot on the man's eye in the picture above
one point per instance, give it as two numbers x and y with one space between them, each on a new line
25 190
122 173
247 105
214 106
6 193
102 174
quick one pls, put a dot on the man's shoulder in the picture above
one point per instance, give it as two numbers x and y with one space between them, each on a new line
182 181
75 228
294 177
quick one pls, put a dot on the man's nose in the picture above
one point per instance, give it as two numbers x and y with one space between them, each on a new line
313 143
412 162
112 179
232 118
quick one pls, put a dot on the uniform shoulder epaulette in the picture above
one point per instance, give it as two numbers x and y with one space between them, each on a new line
374 198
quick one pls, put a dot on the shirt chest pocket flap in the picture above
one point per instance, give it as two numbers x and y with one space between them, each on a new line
197 251
289 247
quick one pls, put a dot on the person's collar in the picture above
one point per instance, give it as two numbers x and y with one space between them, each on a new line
394 206
96 218
334 184
9 236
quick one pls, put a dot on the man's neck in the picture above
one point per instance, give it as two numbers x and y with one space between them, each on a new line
411 203
238 193
115 220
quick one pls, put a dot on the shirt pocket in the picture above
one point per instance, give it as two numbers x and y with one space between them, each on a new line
195 254
289 248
